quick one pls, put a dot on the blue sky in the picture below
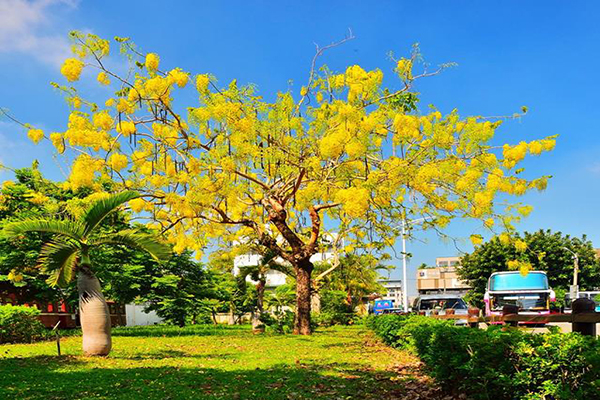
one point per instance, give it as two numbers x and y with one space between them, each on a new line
543 54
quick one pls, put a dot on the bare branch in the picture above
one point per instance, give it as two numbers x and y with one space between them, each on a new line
319 53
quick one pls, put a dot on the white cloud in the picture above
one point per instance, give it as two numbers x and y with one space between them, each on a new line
26 27
595 168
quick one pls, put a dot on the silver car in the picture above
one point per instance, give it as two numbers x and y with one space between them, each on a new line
441 303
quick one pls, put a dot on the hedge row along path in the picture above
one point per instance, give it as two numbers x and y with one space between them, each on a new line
205 362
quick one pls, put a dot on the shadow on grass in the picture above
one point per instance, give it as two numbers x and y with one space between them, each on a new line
64 378
191 330
163 354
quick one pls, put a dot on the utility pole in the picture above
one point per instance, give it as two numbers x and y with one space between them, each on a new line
405 223
574 289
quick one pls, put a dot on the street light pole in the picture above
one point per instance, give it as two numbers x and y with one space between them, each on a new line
404 279
574 292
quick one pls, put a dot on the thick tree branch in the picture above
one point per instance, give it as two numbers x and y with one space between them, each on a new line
278 215
295 188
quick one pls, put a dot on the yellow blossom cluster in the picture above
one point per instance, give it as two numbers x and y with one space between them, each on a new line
361 84
15 276
407 128
404 68
520 245
76 101
125 106
513 154
71 69
81 132
177 76
103 120
35 135
355 201
57 141
37 198
103 79
152 61
522 266
477 240
202 82
83 171
126 128
138 205
118 161
158 88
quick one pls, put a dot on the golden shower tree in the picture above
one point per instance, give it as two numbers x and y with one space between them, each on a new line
233 167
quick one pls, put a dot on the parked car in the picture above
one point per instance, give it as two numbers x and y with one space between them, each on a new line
426 304
393 311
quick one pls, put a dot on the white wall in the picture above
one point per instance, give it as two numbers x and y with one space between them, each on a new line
136 315
274 278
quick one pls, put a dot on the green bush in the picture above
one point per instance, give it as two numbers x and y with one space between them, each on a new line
335 309
19 324
279 321
496 363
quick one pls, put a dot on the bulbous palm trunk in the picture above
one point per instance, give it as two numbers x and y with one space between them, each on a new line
303 298
94 315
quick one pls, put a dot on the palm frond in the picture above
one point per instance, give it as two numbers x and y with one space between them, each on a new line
253 271
63 227
59 258
281 266
103 207
144 241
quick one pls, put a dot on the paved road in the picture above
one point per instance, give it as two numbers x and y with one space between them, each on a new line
564 327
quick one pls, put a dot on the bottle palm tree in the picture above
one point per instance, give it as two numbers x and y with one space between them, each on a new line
68 255
258 273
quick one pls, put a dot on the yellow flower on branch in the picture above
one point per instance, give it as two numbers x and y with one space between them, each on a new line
71 69
520 245
103 79
152 61
118 161
35 135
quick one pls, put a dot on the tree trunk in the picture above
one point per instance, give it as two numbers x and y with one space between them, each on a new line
94 315
303 294
231 319
315 302
257 324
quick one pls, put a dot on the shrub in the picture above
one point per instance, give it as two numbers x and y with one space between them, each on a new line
279 321
335 309
497 363
19 324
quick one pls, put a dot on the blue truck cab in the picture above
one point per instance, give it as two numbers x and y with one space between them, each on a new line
381 305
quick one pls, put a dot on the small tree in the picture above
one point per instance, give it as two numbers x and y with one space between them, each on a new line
178 293
356 275
239 168
68 255
258 274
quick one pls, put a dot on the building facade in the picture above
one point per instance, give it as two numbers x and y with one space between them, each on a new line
393 292
441 279
277 278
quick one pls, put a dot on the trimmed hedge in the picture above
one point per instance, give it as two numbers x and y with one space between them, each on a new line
496 363
19 324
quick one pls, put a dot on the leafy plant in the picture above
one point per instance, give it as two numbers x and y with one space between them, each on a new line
20 324
496 363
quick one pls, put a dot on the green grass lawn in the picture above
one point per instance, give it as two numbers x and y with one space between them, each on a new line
206 362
